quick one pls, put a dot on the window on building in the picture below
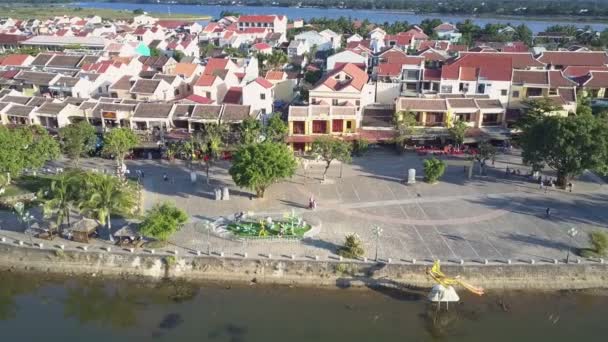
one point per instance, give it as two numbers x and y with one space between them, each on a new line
503 92
534 92
100 90
515 93
337 125
465 117
334 102
490 119
357 103
463 87
446 89
262 96
299 127
319 126
349 125
481 88
552 91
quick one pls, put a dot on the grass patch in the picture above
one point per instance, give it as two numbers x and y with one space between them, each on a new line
48 10
156 244
27 184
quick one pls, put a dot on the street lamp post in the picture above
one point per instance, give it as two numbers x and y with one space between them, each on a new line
572 232
377 231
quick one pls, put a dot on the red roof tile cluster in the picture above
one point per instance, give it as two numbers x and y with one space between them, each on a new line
275 75
257 19
568 58
263 82
14 60
355 77
198 99
233 95
518 60
215 64
172 24
474 66
597 79
205 81
445 27
580 71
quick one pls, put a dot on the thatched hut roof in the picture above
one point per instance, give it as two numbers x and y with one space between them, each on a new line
127 230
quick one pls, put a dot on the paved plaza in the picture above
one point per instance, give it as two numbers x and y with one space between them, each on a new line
492 217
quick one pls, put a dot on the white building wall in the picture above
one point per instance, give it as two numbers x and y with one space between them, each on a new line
387 93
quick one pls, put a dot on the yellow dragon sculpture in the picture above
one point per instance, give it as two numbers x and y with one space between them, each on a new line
435 273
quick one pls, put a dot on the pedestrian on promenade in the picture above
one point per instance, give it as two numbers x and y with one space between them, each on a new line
541 185
165 177
141 172
570 186
548 212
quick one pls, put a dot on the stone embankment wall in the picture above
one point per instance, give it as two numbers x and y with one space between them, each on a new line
298 272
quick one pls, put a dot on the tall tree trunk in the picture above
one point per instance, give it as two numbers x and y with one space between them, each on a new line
562 179
207 167
260 192
109 225
325 171
68 215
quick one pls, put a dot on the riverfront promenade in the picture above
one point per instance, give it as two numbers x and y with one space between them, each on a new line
490 217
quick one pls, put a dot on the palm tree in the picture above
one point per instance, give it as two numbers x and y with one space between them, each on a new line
106 195
210 145
58 198
276 60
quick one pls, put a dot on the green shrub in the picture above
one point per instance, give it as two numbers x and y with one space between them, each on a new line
353 247
360 146
170 260
599 241
433 170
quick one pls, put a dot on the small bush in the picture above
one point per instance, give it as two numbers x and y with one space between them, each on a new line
170 260
599 241
433 169
360 146
353 247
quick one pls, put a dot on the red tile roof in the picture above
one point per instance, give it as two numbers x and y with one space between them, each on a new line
567 58
445 27
14 60
172 24
275 75
358 78
530 77
233 95
416 104
215 64
399 39
205 80
557 79
518 60
257 19
264 82
580 71
389 69
432 75
199 99
598 79
261 46
485 66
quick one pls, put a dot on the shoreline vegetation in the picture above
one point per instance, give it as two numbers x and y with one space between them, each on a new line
49 10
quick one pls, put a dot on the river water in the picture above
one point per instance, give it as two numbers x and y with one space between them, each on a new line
38 308
307 13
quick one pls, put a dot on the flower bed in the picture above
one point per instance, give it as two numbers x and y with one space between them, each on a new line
289 226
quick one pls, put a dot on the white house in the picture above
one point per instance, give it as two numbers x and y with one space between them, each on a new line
354 38
259 94
344 57
314 38
333 37
152 90
447 31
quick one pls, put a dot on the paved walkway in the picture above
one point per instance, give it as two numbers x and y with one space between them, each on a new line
493 217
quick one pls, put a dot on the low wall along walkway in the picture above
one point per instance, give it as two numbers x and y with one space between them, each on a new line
283 270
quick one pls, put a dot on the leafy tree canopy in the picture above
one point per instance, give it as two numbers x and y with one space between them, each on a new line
77 139
257 166
162 221
330 149
276 129
118 142
569 145
26 147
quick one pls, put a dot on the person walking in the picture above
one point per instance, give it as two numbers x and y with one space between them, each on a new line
548 212
570 186
541 185
165 177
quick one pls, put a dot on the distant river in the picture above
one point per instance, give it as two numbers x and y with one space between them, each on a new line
39 308
307 13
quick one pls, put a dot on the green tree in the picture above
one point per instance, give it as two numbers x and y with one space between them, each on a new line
211 145
59 198
535 110
360 146
257 166
405 124
485 152
312 77
329 149
458 132
250 130
154 52
178 55
276 60
569 145
433 169
118 142
276 129
353 247
106 195
162 221
25 147
77 139
138 11
524 34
